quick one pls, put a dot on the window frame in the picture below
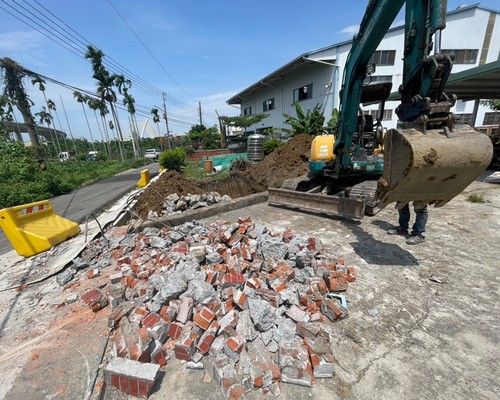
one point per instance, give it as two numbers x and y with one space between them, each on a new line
495 120
462 56
268 105
300 95
382 58
247 111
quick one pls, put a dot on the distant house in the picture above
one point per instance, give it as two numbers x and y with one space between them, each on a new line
316 77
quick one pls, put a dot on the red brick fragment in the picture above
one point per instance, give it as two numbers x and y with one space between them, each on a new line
204 317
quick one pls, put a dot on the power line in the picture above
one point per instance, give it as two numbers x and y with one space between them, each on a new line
148 50
54 34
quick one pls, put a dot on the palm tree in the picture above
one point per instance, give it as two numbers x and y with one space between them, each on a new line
82 99
94 105
41 85
46 118
105 83
129 101
156 118
14 90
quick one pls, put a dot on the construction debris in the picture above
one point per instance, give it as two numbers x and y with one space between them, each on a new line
175 204
258 301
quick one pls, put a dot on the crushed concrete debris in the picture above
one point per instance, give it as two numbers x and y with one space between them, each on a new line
175 204
260 302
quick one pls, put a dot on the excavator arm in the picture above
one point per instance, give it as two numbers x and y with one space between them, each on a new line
429 157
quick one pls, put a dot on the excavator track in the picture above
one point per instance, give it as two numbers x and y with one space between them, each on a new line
366 191
318 203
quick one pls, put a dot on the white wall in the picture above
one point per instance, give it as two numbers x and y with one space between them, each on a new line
465 30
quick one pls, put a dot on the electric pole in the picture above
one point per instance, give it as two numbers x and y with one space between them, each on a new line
199 108
166 118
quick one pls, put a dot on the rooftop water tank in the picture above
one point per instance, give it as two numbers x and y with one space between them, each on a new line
255 147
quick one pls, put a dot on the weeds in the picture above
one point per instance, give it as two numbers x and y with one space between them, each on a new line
476 198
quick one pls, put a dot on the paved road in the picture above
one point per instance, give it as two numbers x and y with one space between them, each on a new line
94 198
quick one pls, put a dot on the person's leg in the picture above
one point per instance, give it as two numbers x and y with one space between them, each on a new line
404 217
421 218
418 229
404 220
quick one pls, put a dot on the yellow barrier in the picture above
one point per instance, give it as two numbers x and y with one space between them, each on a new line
35 227
144 181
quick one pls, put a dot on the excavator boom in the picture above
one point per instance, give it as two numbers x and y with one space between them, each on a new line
428 157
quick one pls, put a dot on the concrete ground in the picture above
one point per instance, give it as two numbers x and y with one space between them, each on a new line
424 320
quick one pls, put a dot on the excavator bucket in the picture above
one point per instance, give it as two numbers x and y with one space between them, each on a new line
431 167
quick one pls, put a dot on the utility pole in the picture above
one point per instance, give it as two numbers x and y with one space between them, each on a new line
199 108
166 118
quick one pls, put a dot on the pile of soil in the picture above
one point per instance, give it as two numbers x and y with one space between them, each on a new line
288 161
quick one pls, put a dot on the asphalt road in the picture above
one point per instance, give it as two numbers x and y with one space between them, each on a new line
94 198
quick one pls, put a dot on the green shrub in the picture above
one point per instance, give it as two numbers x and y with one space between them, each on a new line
476 198
174 159
270 145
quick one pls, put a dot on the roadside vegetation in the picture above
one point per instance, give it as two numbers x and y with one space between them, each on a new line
23 179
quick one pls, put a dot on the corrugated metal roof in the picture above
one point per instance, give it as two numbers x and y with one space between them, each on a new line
482 82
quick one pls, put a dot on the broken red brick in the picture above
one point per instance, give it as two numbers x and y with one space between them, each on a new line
151 320
175 330
240 298
204 317
232 278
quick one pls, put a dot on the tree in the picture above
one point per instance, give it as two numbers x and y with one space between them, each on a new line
310 122
82 99
46 118
207 138
493 104
14 89
41 85
156 118
105 83
129 101
94 105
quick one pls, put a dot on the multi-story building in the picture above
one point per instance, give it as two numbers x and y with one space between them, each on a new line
316 77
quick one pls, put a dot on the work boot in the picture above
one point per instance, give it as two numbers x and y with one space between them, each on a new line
415 239
397 231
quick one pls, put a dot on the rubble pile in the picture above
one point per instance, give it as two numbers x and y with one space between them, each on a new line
259 303
175 204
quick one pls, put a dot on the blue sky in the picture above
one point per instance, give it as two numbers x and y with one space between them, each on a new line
197 51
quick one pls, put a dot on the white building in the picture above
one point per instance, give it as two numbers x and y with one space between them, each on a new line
472 33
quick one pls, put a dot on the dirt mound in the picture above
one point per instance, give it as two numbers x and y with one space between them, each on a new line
288 161
169 182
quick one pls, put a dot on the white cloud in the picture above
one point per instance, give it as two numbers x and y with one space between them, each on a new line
350 30
20 41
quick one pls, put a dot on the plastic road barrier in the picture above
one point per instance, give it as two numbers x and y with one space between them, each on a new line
145 178
35 227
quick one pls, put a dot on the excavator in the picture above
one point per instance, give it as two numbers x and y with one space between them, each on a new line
428 158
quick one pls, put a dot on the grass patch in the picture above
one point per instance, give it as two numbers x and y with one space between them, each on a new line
193 171
476 198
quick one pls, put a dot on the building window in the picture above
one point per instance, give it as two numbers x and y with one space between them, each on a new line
464 118
491 118
374 113
268 105
303 93
247 111
384 57
463 56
